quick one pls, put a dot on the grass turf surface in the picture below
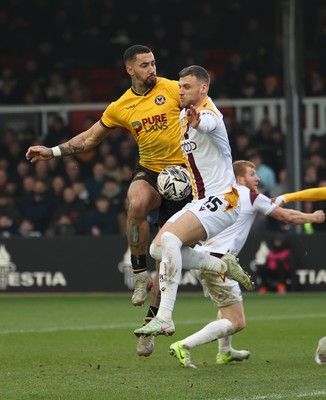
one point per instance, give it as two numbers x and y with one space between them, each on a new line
83 347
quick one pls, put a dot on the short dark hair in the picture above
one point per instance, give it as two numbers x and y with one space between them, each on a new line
196 70
134 50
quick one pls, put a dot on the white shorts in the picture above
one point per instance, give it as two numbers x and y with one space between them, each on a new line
222 293
212 212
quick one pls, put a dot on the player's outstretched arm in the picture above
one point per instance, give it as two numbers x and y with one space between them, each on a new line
296 217
83 142
314 194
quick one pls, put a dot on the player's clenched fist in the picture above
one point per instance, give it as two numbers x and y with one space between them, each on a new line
38 153
320 216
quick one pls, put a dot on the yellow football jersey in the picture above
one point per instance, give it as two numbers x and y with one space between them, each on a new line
153 120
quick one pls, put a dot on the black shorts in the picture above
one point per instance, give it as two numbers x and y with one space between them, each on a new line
167 207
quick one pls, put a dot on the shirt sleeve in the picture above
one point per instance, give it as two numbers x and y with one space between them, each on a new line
208 121
264 204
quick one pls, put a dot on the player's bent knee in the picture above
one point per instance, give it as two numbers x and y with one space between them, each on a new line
155 251
138 210
239 325
237 322
169 239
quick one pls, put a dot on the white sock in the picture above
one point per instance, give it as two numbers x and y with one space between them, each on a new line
210 332
170 274
224 343
192 259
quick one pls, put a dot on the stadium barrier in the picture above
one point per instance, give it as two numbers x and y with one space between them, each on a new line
252 111
89 264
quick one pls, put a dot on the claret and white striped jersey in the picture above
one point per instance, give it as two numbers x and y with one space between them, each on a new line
208 152
234 237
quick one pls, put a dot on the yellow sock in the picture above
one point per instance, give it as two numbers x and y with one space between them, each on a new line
315 194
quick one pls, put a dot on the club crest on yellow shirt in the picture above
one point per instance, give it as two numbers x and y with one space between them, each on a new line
159 100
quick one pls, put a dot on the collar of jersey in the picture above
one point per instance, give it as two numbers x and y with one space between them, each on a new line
144 94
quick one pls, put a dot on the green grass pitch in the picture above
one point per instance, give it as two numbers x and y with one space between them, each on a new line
76 347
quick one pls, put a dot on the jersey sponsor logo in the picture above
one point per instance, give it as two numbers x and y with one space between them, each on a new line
160 100
188 146
137 126
155 119
149 124
207 112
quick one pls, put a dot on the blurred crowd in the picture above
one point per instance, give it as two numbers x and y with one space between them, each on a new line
66 51
85 194
71 51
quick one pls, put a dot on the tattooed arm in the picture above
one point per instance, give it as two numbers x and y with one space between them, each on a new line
83 142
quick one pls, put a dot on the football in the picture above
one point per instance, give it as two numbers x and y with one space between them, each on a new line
174 183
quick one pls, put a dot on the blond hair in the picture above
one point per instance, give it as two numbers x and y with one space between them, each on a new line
240 166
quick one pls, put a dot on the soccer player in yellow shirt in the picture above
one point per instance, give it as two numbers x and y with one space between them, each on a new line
149 110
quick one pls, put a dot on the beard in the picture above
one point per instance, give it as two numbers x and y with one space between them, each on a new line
150 81
251 187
